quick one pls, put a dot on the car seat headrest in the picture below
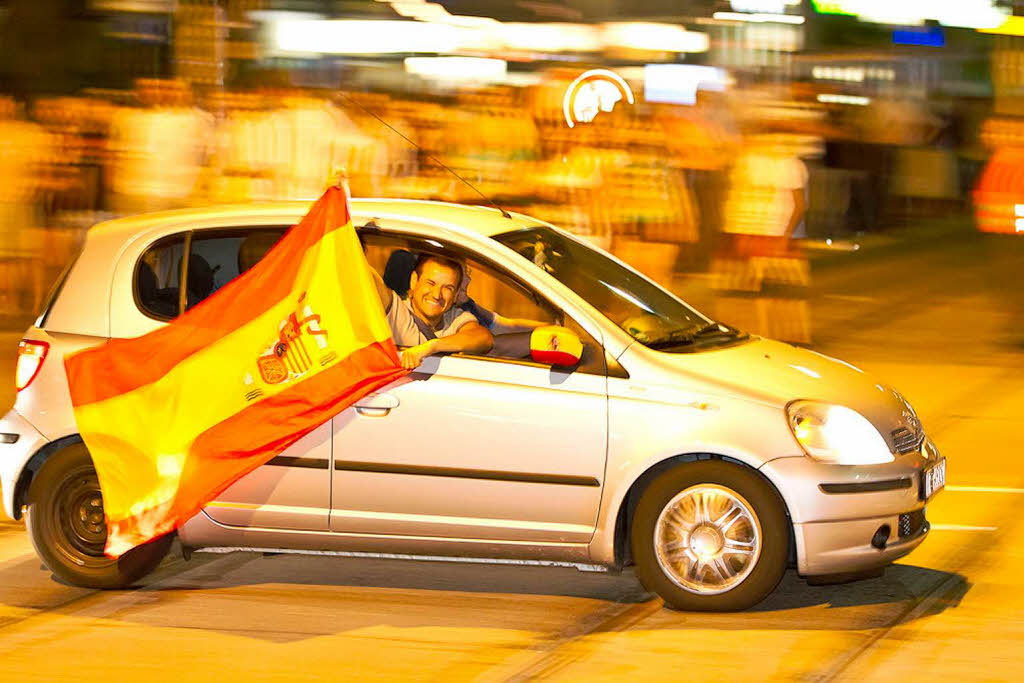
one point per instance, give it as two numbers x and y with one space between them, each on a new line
254 247
201 282
398 270
147 281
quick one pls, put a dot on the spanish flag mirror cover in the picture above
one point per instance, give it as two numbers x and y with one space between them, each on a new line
174 417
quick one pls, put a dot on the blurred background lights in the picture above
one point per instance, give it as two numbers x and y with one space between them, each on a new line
679 83
978 14
654 36
844 99
767 6
458 69
447 34
357 36
541 37
759 18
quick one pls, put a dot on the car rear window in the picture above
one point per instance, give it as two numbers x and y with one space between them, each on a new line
158 278
217 258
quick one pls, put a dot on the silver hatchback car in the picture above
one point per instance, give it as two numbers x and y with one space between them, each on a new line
708 458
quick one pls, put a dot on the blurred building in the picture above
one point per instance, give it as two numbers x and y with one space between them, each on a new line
891 110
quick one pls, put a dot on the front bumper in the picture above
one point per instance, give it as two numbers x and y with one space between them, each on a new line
837 509
841 547
13 456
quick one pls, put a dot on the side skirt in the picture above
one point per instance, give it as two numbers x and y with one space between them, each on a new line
202 532
419 558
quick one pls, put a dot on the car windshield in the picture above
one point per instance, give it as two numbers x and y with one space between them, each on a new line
647 312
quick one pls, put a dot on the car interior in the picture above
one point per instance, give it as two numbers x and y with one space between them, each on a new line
397 273
216 258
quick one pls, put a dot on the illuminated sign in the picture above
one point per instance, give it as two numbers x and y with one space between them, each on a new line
831 7
1013 26
978 14
593 92
931 37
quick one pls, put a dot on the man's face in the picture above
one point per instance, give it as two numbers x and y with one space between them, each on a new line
433 293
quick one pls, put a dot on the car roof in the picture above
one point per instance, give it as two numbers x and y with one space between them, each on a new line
482 220
91 277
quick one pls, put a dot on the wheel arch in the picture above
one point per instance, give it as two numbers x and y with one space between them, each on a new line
28 472
627 507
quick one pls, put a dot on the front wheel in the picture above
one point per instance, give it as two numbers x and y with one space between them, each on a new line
66 524
710 536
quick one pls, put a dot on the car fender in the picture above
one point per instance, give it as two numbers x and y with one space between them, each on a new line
644 439
21 465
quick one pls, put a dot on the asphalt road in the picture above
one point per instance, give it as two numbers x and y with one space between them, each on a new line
935 320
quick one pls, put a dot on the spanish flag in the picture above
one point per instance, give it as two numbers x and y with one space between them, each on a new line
176 416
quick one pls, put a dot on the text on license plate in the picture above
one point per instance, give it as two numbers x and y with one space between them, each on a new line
933 479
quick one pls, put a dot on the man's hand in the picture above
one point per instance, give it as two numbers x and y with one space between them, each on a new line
414 355
472 338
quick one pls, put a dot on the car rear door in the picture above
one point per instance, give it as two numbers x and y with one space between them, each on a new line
292 491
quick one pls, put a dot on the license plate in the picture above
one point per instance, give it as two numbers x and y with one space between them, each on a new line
933 479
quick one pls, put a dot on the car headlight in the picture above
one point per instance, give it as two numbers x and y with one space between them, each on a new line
836 434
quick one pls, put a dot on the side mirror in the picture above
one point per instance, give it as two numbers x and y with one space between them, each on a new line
554 345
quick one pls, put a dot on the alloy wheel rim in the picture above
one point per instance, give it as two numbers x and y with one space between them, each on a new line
707 539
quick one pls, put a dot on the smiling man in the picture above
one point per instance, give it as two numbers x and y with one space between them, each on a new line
428 322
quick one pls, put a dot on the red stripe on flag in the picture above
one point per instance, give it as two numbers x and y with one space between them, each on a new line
122 365
226 452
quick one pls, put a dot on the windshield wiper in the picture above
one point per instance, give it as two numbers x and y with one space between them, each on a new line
684 337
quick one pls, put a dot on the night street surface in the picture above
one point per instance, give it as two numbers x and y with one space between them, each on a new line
929 317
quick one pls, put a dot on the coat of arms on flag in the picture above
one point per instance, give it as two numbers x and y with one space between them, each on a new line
300 344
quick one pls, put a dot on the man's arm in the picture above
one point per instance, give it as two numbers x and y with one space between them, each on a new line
383 291
503 325
799 209
471 338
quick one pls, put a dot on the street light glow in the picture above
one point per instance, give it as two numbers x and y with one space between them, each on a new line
759 18
364 36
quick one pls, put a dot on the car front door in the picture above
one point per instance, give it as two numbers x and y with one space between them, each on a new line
479 448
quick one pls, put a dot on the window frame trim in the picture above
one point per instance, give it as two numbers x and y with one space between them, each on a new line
135 277
186 256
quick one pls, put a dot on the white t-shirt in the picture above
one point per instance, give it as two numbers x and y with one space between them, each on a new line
403 322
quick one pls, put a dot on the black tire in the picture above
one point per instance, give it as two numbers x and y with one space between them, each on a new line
65 522
723 479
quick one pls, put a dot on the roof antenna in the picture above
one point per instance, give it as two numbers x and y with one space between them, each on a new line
437 161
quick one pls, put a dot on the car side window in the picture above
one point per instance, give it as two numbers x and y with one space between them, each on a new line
157 284
215 258
496 293
490 289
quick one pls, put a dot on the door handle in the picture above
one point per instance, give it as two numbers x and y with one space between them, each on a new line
377 405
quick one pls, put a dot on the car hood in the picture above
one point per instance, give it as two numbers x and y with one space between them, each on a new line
772 372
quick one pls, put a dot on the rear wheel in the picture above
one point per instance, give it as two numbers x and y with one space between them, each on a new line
710 536
66 524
